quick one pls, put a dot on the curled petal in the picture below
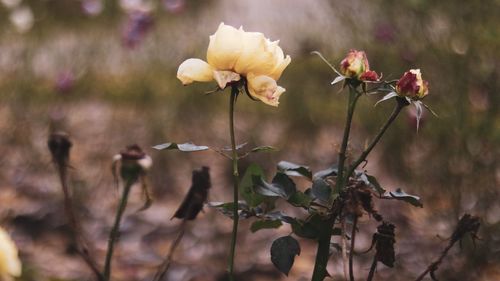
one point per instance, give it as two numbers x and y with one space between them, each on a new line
225 47
265 89
10 265
225 77
194 70
280 67
260 56
369 75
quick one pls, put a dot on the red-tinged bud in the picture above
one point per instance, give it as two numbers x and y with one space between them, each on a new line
412 85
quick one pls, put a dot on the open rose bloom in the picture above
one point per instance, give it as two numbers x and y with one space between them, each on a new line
412 85
232 54
10 266
355 65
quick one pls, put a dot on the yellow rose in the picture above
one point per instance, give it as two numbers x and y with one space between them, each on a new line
10 266
233 53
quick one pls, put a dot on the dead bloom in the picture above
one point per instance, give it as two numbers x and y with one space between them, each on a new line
233 53
10 265
412 85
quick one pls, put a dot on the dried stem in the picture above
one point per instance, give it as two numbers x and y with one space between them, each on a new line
77 230
344 249
351 252
115 231
162 270
234 156
372 268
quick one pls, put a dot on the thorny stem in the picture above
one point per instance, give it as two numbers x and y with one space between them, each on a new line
232 102
351 252
397 109
434 265
353 98
82 245
372 269
323 250
115 231
162 270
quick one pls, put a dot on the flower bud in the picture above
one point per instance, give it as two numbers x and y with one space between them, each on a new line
412 85
354 64
134 162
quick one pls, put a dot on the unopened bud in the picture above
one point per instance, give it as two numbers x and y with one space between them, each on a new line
134 162
412 85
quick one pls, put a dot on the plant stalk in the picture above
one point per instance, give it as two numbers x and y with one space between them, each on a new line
323 250
168 259
81 242
351 252
115 231
397 109
234 158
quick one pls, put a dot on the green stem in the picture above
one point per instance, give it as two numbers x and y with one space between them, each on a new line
397 109
323 250
115 231
234 157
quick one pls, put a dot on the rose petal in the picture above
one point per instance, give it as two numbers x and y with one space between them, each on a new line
265 89
225 47
194 70
225 76
9 260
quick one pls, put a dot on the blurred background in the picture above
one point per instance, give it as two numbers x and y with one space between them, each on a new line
104 72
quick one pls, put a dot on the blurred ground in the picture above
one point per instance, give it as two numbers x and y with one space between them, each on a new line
107 77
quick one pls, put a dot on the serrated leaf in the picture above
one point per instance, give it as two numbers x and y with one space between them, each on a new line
247 190
310 228
321 190
265 224
186 147
401 195
238 147
386 97
265 148
338 79
293 169
283 252
332 171
300 199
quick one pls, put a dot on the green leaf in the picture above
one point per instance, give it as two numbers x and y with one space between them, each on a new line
401 195
310 228
265 224
293 169
282 186
300 199
283 252
186 147
247 190
265 148
321 190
